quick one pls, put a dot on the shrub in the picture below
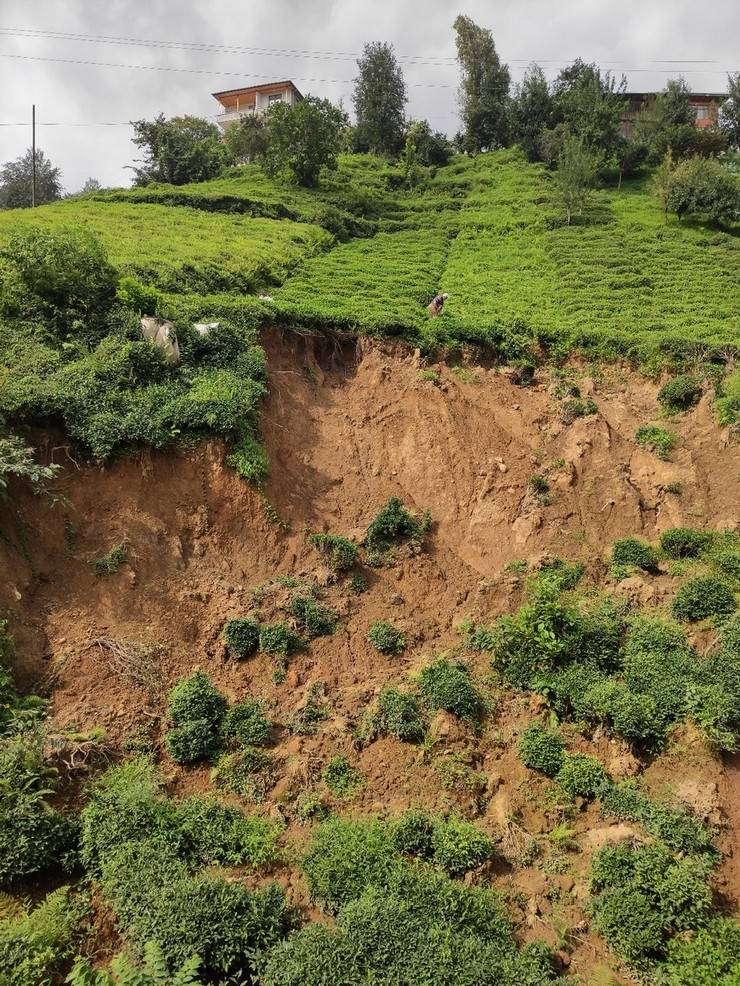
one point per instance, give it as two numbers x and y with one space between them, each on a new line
196 713
573 408
581 775
710 957
246 724
396 523
678 829
458 846
541 750
63 278
413 833
386 638
140 298
538 484
35 945
249 773
110 563
658 440
683 542
153 971
398 715
242 637
447 685
340 552
702 597
279 638
215 835
680 393
341 777
701 186
249 459
630 551
312 619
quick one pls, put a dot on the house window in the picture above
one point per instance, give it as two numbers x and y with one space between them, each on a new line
274 97
702 112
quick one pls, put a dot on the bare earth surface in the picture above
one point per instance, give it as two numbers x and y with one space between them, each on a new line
346 427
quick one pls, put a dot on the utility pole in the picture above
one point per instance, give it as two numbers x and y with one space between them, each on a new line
33 153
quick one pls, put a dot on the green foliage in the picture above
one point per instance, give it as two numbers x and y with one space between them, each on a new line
110 563
280 639
123 971
683 542
17 460
727 402
378 98
34 836
341 777
574 408
702 597
312 619
249 773
36 944
246 724
16 177
484 88
539 749
140 298
711 957
249 459
242 637
387 639
397 714
630 551
395 523
447 685
680 393
341 553
644 895
701 186
458 846
303 138
62 277
658 440
196 714
538 484
675 826
179 150
581 775
577 168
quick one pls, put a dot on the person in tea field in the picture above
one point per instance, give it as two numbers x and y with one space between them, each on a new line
436 305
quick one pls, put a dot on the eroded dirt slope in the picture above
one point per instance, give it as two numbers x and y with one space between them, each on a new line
347 426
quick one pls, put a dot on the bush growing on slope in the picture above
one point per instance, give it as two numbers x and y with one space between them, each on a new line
447 685
680 393
541 750
314 620
702 597
581 775
279 638
658 440
630 551
397 715
387 639
248 772
242 637
246 724
36 944
340 552
683 542
196 714
395 523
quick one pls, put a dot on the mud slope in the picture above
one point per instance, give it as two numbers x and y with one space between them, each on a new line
347 426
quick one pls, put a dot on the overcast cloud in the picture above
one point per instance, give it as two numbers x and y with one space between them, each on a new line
631 36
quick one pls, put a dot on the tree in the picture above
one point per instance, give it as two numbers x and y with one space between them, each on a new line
532 111
591 104
433 148
663 181
179 150
703 187
410 163
578 167
379 99
16 179
91 185
484 88
668 121
303 138
729 113
245 141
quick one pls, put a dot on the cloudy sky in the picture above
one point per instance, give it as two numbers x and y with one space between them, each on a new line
103 73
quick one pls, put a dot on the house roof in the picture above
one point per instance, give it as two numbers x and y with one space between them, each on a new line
258 88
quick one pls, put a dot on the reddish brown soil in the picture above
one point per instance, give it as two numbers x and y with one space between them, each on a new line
346 426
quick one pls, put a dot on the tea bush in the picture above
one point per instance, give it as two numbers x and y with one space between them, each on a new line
447 685
341 553
630 551
702 597
458 846
658 440
680 394
314 620
242 637
279 638
249 773
196 713
246 724
541 750
581 775
341 777
710 957
395 523
398 715
387 639
683 542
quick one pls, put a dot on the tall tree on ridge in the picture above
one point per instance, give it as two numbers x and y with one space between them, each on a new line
379 99
484 88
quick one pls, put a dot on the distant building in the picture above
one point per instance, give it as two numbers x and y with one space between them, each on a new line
253 100
705 105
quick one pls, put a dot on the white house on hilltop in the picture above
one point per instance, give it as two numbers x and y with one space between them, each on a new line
253 100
